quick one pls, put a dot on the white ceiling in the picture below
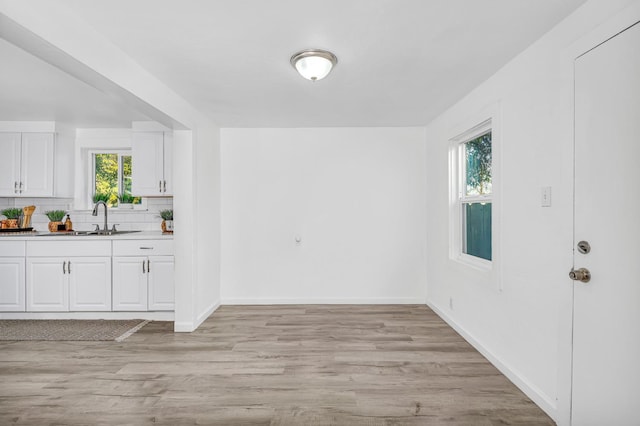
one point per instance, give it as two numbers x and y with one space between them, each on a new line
32 90
401 62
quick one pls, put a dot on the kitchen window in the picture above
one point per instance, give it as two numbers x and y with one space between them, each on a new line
112 177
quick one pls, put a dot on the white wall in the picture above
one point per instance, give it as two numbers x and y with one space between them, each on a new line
525 327
196 171
208 222
354 196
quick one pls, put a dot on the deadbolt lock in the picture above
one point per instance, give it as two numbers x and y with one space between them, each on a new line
581 274
584 247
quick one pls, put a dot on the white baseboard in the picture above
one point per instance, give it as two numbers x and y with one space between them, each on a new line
547 404
189 326
206 313
325 301
152 316
183 327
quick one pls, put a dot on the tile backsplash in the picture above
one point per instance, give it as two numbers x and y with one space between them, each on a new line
127 219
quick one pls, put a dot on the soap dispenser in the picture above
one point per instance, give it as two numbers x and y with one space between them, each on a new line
68 226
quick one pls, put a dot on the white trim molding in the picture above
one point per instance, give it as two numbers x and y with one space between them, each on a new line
189 326
325 301
487 119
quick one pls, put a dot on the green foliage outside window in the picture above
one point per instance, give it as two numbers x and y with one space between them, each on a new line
113 179
477 240
478 165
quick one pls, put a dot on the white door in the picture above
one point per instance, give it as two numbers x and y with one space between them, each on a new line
606 347
12 284
36 175
9 164
89 283
130 283
161 285
47 284
147 163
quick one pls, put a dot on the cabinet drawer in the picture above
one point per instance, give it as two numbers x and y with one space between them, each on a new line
12 248
143 248
68 248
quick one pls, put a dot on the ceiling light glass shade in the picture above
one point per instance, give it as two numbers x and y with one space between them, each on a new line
314 64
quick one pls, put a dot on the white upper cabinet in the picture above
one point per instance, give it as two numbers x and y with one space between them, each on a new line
26 164
151 164
9 163
36 174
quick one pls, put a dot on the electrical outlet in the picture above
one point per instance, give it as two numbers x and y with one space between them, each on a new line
451 303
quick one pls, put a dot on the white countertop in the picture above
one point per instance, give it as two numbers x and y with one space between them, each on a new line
49 236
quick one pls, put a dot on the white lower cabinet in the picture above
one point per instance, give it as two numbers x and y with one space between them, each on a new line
12 284
143 274
47 284
130 283
86 276
63 284
161 285
89 284
77 282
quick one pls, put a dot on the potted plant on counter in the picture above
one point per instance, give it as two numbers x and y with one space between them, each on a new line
12 215
55 219
167 221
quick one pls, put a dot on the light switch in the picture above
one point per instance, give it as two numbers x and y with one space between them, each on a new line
546 196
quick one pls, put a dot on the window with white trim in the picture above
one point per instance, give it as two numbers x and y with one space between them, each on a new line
111 177
473 200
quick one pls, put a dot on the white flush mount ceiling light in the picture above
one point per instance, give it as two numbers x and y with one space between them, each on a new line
314 64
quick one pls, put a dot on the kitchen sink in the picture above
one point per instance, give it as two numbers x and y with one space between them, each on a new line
110 232
85 233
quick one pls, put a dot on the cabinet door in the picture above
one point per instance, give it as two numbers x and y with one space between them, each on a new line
47 284
12 284
9 164
168 164
147 163
89 283
36 172
161 285
130 283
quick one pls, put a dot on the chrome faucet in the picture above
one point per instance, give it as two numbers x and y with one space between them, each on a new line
95 213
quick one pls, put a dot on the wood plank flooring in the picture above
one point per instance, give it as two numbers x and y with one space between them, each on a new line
266 365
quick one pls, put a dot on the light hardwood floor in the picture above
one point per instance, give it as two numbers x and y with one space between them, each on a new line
266 365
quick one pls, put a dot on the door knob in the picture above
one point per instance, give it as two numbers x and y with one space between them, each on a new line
581 274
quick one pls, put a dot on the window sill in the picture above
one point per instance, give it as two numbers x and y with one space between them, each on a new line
474 262
112 210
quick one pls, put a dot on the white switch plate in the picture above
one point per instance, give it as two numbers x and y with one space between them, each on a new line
546 196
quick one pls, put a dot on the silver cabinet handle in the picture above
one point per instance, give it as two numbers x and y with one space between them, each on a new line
146 248
21 187
159 186
69 267
64 264
15 187
143 270
148 265
164 185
